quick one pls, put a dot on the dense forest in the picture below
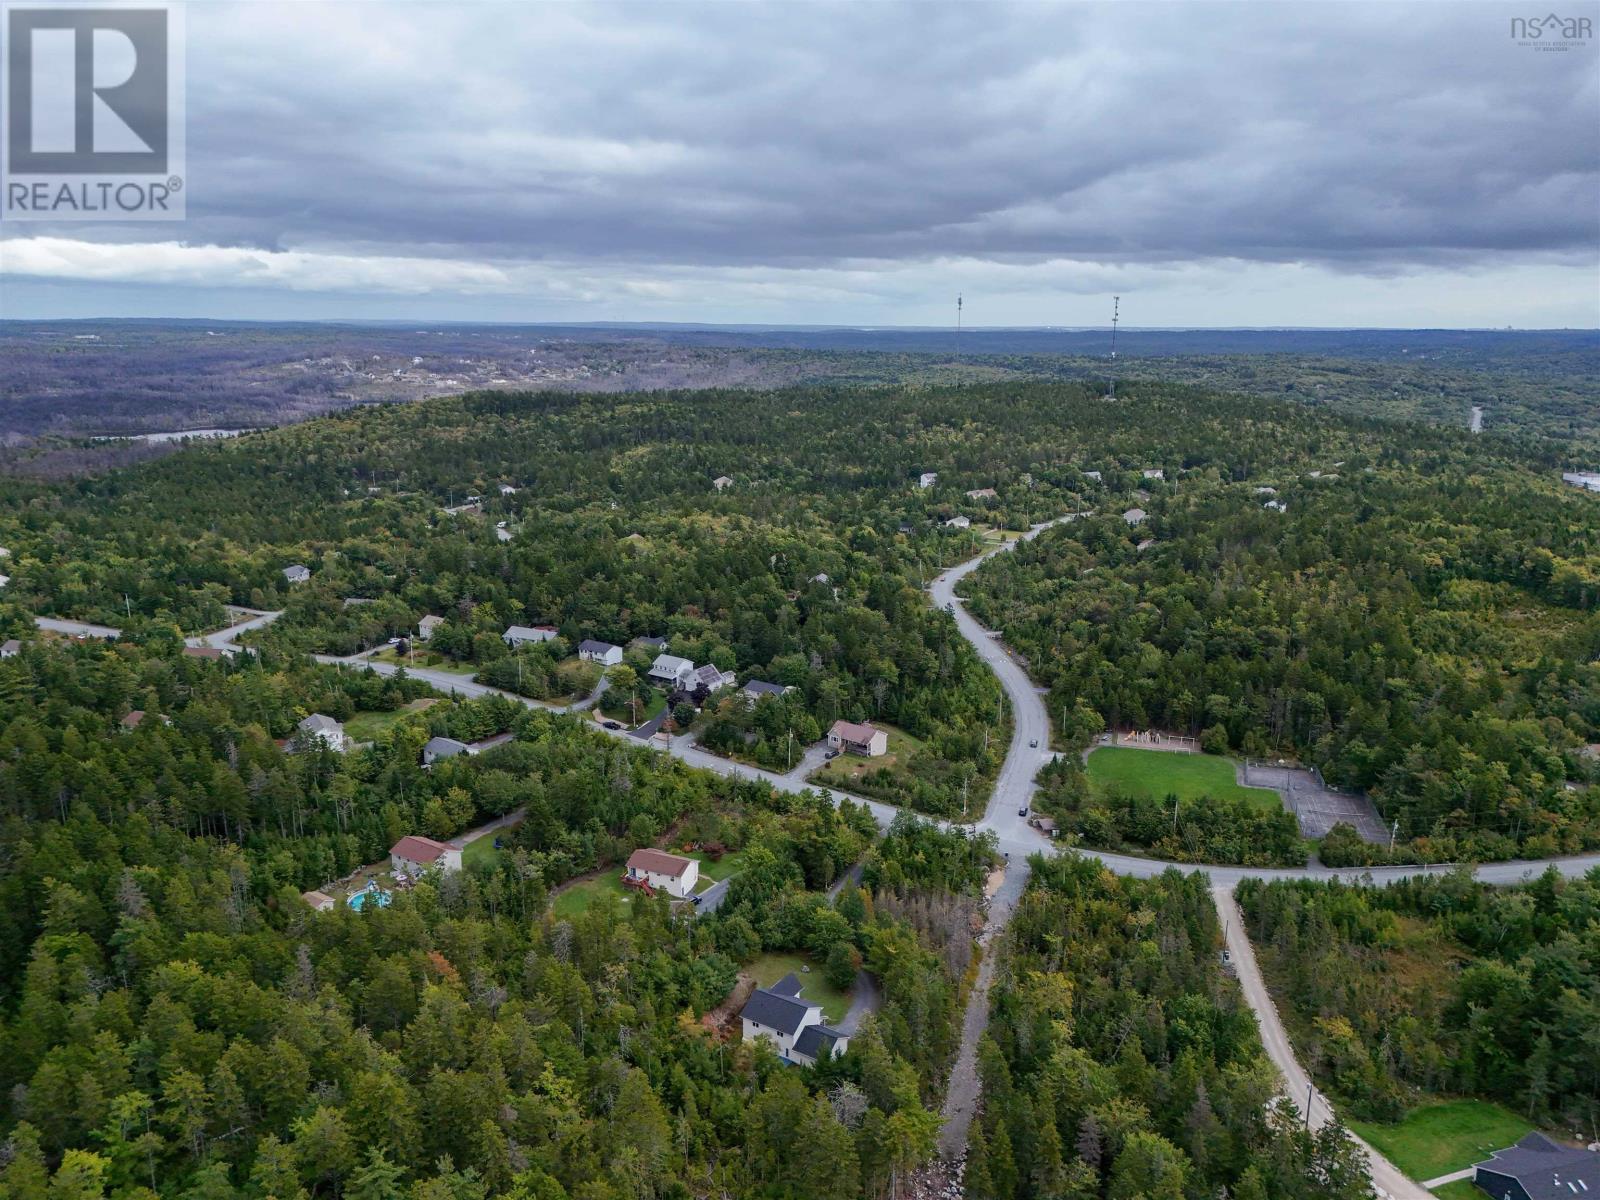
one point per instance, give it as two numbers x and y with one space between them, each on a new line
178 1023
1419 623
1441 985
1419 620
1122 1063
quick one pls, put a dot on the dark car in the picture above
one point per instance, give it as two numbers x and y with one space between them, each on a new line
611 725
1023 811
1034 744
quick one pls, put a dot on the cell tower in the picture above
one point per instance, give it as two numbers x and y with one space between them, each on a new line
958 326
1116 305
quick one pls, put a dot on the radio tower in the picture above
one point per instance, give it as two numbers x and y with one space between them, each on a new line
1116 304
958 326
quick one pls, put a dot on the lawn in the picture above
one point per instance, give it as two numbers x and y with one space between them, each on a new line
1436 1139
844 770
624 712
770 968
365 726
1461 1189
579 676
482 850
420 658
580 896
714 872
1162 773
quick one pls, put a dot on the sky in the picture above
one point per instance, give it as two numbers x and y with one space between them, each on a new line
1244 163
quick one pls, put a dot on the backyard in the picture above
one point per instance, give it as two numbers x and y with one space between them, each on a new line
769 968
365 726
1161 773
617 711
1436 1139
577 897
847 769
579 676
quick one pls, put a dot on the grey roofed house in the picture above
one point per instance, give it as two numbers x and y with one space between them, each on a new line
650 643
710 678
789 985
760 687
443 747
11 648
1537 1168
319 723
817 1041
297 573
1134 515
1094 475
775 1010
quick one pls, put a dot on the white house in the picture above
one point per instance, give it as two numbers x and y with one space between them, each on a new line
672 671
1094 475
710 678
325 730
297 573
957 523
507 490
981 494
1153 473
792 1024
721 481
603 653
754 689
516 636
1134 516
670 873
413 855
4 579
1276 506
858 739
11 648
927 479
427 625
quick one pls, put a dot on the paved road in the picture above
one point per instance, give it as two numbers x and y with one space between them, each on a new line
1386 1177
227 639
77 628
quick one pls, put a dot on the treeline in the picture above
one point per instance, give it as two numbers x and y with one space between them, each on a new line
1419 624
1440 985
1121 1062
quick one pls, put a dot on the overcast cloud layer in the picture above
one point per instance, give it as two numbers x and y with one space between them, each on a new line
1247 163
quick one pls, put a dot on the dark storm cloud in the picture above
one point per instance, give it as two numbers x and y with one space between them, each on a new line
808 135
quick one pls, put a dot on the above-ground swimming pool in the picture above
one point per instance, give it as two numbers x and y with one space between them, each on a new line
367 896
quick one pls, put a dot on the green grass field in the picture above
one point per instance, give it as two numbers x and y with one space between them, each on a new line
1436 1139
482 850
365 726
422 658
1461 1189
624 712
580 896
843 771
1160 773
770 968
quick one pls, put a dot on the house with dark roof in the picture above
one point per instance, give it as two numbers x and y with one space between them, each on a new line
709 678
443 747
603 653
658 644
754 689
791 1023
1537 1168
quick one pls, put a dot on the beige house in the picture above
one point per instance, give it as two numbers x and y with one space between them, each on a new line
670 873
858 739
427 625
320 901
414 854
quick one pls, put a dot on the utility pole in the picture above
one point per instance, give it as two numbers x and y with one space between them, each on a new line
1394 831
1116 304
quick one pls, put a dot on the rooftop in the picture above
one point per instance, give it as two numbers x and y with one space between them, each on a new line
658 862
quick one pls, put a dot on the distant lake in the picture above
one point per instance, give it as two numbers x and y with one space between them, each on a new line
176 435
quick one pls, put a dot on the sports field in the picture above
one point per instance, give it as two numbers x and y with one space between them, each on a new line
1161 773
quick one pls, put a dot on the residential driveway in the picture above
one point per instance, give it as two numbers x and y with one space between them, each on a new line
851 878
653 726
1386 1177
865 997
711 899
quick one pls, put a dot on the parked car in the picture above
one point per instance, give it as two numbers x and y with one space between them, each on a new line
831 754
1227 955
1034 744
1023 811
611 724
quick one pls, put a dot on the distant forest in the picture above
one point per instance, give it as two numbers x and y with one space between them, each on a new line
68 380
